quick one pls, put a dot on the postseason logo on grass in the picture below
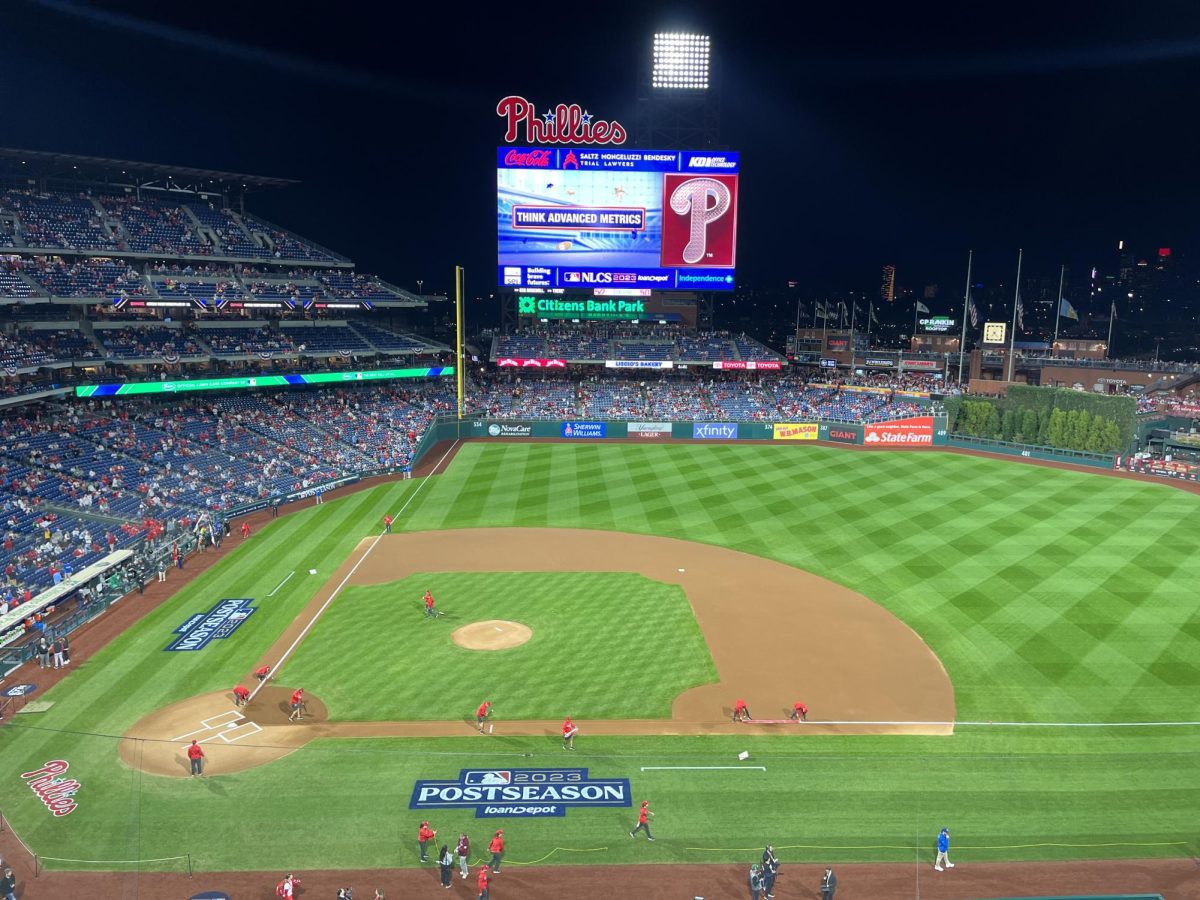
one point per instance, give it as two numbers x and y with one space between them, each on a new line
521 793
217 624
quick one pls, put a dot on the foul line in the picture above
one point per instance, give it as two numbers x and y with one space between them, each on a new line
337 590
981 724
282 583
958 846
701 768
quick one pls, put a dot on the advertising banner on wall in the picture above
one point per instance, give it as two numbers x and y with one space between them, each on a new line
916 431
795 431
638 364
761 365
584 429
650 430
843 434
526 363
714 431
922 365
504 429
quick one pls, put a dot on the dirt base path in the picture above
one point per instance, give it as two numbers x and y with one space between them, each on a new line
859 668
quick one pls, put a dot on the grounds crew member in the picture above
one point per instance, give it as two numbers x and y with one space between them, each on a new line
424 835
741 712
241 696
496 848
644 816
569 730
799 712
429 613
196 755
483 883
262 672
297 705
482 714
387 524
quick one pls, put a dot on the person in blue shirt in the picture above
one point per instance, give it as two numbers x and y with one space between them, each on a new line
943 857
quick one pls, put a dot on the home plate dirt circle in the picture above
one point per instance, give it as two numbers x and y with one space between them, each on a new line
491 634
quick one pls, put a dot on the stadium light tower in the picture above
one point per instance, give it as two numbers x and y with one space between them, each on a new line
681 62
678 96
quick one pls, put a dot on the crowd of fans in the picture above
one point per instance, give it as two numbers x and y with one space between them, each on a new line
612 340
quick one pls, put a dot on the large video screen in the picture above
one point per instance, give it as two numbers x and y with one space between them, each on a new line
577 217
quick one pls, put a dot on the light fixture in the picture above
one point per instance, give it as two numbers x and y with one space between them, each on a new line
681 61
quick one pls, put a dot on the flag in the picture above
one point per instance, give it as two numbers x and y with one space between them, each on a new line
819 310
922 308
972 312
873 319
1020 315
1067 311
841 313
1114 309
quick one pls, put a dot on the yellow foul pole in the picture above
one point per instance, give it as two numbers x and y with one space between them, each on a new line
458 342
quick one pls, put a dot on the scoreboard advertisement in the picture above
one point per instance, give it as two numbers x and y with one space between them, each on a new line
585 217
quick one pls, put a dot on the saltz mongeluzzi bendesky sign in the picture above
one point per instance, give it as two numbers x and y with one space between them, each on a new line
521 792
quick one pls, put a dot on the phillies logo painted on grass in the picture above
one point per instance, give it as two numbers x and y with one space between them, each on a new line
54 792
517 793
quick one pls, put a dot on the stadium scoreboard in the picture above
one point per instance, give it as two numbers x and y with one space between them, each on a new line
586 217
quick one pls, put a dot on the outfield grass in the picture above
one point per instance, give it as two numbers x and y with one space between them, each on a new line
1048 595
589 648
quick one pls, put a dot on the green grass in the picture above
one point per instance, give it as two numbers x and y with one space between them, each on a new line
1048 595
589 648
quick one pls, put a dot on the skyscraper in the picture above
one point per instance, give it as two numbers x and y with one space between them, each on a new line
887 290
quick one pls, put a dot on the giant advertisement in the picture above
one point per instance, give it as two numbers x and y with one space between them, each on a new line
579 217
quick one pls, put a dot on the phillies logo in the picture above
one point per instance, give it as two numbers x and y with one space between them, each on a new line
567 124
691 198
55 793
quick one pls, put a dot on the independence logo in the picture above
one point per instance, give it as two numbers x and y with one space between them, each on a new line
217 624
516 793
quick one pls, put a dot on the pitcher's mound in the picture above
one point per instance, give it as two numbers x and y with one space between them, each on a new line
494 634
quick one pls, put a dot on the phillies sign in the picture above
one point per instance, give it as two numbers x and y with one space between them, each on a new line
566 124
55 793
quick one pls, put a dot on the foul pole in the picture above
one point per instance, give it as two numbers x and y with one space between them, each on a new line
962 341
458 340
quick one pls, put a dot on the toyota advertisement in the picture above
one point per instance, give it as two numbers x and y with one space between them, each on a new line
582 217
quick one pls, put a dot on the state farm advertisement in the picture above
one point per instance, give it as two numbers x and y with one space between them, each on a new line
914 432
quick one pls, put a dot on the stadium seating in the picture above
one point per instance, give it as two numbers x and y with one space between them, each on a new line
16 353
326 339
146 342
151 227
246 341
58 220
63 344
88 277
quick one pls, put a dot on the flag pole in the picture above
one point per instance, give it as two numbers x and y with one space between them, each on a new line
1062 272
458 329
870 320
962 342
1012 341
1112 314
853 310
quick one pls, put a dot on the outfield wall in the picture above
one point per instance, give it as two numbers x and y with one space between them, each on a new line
901 433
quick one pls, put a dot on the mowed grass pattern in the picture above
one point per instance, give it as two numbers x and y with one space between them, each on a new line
1049 595
605 645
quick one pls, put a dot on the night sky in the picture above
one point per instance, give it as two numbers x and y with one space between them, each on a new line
868 137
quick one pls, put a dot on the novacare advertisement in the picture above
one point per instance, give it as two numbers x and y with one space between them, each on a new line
795 431
917 431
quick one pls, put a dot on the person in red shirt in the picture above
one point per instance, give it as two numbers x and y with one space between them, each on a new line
429 613
424 835
799 712
387 524
483 883
241 696
262 672
496 848
196 755
245 530
741 712
297 705
482 714
569 730
644 817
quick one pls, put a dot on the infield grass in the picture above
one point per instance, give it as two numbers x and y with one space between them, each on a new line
605 645
1048 595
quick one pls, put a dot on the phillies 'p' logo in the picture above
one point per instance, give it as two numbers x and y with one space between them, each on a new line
691 198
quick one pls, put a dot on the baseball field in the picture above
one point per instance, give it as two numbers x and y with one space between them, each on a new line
1012 651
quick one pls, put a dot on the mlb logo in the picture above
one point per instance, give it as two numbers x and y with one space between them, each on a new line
488 777
512 275
624 278
572 277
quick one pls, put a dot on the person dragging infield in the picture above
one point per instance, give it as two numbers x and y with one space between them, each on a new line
943 854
